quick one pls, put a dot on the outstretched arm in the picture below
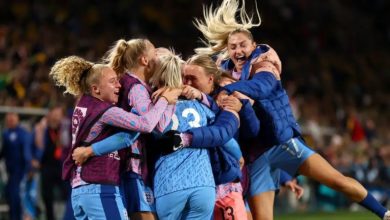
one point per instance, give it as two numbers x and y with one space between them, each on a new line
259 87
221 131
113 143
145 123
291 183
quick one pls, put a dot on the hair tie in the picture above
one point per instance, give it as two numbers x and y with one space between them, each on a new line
85 73
126 44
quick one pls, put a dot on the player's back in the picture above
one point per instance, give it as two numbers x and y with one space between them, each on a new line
186 167
190 114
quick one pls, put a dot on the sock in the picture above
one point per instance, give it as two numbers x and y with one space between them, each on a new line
373 205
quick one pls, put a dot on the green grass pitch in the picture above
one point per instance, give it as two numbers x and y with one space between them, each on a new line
340 215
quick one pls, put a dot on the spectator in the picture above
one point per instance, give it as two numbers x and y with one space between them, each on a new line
17 153
56 137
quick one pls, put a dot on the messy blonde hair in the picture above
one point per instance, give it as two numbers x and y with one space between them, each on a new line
220 23
76 74
124 55
208 64
168 71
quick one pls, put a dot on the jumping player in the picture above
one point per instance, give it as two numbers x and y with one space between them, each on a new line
279 144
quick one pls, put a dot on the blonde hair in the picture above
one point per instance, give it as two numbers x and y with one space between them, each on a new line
220 23
76 74
168 71
208 64
124 55
160 51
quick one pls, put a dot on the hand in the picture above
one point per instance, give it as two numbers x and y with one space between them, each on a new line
191 93
156 94
220 97
233 112
172 95
239 95
295 188
231 102
81 154
268 65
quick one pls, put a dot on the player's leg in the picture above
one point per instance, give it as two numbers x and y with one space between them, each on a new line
262 206
317 168
263 183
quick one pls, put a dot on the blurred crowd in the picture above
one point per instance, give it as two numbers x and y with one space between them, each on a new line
335 64
33 163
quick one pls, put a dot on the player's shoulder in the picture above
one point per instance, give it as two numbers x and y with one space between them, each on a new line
184 103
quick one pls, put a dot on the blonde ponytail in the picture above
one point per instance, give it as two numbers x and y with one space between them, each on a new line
124 55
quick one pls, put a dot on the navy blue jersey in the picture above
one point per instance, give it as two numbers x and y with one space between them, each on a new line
17 149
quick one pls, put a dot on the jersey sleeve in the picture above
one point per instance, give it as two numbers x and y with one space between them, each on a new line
114 142
233 148
259 87
144 123
217 134
250 124
139 99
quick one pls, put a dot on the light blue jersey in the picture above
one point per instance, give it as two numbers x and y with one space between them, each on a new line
187 167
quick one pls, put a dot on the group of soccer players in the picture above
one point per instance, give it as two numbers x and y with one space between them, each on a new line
147 124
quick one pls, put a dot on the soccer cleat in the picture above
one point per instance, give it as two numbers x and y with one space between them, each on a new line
387 216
